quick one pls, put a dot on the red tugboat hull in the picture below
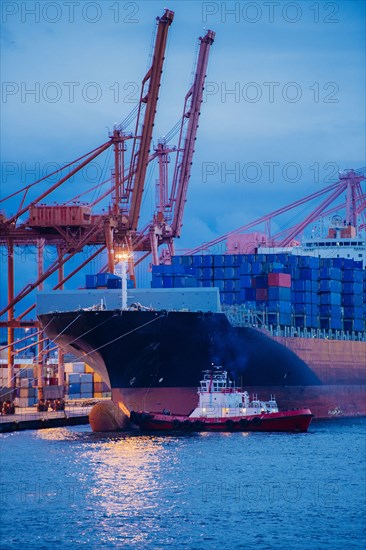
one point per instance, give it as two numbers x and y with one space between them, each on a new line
286 421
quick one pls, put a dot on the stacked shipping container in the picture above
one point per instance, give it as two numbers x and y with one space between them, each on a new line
83 383
301 291
105 280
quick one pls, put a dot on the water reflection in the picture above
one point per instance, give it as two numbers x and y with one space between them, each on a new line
124 475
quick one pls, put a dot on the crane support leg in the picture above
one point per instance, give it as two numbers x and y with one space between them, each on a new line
61 371
110 247
10 317
40 366
154 247
60 363
40 340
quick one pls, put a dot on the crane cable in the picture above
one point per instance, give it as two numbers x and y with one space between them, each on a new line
100 347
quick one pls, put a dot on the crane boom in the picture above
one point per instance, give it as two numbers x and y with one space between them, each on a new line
140 158
191 112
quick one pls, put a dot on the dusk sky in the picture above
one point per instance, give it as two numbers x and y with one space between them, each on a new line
284 108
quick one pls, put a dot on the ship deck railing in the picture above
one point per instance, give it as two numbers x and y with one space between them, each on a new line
240 316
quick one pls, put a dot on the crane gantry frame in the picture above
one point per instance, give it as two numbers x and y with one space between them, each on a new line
70 227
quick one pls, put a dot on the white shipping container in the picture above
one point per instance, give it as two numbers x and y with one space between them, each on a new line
69 367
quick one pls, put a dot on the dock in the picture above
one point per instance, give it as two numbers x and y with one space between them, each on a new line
28 418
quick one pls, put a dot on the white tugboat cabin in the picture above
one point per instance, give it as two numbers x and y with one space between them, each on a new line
219 398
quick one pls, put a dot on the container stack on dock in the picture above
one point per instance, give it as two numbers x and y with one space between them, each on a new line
83 383
26 392
292 290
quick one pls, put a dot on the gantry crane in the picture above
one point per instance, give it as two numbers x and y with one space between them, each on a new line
173 209
72 226
354 206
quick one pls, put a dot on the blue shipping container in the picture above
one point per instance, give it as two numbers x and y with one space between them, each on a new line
333 273
158 269
102 279
353 312
114 283
352 288
206 282
245 269
330 285
219 273
309 273
352 275
283 307
229 284
329 311
184 282
247 295
359 325
352 300
219 283
207 273
231 273
207 260
90 281
197 260
256 268
304 321
330 298
260 281
285 319
304 297
232 260
228 298
335 323
167 281
279 293
304 309
219 260
245 281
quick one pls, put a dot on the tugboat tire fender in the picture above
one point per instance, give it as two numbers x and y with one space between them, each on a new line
187 424
243 422
198 424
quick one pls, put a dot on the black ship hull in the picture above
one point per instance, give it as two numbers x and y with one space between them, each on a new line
154 360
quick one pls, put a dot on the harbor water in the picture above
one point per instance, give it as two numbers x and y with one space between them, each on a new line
71 488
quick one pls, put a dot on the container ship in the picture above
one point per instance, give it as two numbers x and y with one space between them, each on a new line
283 322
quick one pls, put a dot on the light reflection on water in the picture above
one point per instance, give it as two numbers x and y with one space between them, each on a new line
73 488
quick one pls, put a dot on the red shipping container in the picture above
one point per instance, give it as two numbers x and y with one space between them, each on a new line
261 294
279 279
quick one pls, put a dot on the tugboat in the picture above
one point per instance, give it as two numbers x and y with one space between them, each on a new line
222 407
